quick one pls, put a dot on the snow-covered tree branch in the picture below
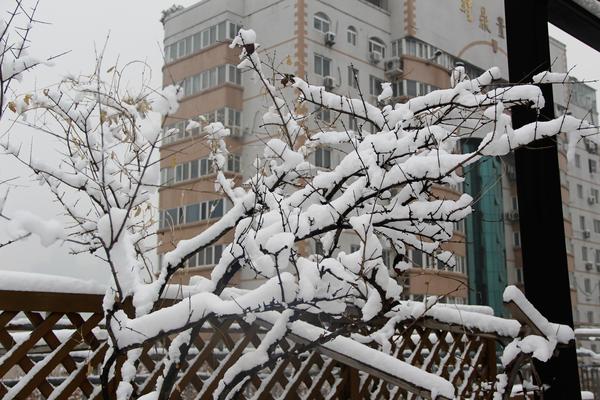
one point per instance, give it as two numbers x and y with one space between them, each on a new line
381 192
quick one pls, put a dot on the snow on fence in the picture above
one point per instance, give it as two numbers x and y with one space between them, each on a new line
52 345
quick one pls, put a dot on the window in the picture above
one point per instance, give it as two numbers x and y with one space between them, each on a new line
590 317
377 45
593 166
595 195
199 40
587 285
517 239
397 48
167 176
321 22
411 88
351 35
323 158
597 226
460 264
378 3
374 85
194 169
459 226
582 222
208 256
417 258
577 161
597 256
584 253
515 203
580 191
192 213
216 209
211 78
387 256
322 65
233 163
323 114
352 77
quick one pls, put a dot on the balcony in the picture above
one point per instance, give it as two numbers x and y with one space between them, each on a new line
383 4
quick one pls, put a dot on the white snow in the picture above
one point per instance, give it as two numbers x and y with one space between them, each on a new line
49 231
35 282
550 77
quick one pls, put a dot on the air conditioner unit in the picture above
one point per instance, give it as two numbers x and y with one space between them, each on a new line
328 82
393 68
586 234
329 39
590 146
375 57
512 215
591 200
511 173
589 266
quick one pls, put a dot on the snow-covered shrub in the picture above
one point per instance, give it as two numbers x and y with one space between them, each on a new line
381 192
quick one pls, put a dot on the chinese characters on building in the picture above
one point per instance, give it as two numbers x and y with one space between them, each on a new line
466 7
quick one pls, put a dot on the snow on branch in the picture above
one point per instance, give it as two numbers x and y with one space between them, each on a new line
288 221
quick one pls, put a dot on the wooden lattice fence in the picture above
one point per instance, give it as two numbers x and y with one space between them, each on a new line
53 345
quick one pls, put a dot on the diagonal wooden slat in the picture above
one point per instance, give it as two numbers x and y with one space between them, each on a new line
235 353
204 356
75 379
35 376
53 342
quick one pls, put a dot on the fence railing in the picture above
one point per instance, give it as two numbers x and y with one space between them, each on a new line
53 344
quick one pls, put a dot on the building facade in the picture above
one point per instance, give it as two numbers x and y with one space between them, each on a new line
344 45
341 44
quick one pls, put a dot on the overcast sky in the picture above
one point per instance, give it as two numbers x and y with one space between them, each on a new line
135 34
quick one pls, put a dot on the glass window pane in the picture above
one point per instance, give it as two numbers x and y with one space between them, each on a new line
194 169
216 208
221 75
171 217
208 258
204 85
192 213
205 38
232 32
213 78
231 74
197 42
172 52
213 34
221 28
218 250
318 64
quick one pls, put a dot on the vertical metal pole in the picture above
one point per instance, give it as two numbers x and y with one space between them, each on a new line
538 187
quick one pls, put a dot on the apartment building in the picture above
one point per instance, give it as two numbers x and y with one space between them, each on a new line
329 43
580 187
